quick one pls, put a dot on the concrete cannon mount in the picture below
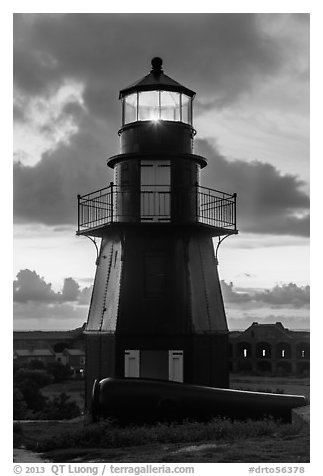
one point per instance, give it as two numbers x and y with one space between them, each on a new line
148 400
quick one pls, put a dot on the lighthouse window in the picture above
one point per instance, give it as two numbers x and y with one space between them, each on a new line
149 106
170 106
186 113
130 108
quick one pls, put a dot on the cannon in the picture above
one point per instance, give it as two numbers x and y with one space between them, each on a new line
148 400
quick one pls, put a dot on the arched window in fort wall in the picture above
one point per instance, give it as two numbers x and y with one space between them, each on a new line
283 350
263 350
303 350
244 350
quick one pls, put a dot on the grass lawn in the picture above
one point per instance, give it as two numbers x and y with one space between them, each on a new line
253 450
219 441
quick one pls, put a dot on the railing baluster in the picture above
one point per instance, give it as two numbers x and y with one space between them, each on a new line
78 212
235 210
111 210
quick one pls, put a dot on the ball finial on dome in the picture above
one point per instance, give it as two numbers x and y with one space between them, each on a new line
156 64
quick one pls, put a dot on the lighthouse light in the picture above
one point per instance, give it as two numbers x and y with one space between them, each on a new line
157 105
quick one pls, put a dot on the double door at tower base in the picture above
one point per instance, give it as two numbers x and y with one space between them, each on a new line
160 364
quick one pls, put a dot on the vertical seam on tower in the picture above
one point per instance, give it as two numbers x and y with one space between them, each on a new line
205 289
188 277
121 241
106 288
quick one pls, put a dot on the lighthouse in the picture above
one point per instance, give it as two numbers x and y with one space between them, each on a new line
157 310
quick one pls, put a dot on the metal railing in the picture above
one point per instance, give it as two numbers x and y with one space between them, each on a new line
216 208
156 203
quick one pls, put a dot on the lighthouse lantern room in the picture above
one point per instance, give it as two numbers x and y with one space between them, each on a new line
157 309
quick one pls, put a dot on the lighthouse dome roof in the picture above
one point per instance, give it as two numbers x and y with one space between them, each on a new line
156 80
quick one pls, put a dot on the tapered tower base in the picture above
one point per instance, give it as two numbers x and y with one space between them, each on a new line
157 309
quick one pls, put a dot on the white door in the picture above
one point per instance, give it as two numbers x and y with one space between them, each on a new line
155 190
175 360
131 363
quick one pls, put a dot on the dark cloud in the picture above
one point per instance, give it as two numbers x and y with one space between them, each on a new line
85 295
220 54
280 296
30 287
268 201
71 290
47 192
19 113
286 294
231 296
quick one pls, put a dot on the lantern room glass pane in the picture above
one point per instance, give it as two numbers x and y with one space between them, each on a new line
148 106
170 106
130 108
186 109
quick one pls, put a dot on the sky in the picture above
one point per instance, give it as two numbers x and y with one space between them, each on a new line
251 113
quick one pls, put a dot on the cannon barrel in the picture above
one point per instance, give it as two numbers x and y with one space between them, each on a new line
141 400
